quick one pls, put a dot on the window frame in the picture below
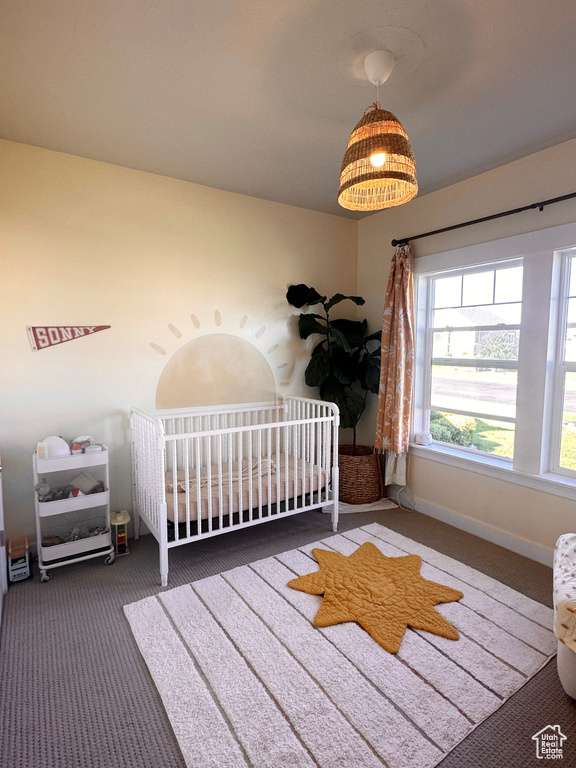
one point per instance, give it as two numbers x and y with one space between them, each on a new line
561 366
540 383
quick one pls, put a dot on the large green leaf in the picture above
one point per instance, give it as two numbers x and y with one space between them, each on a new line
374 337
317 369
350 403
353 409
299 295
308 324
339 338
354 330
369 373
338 297
319 348
343 365
332 390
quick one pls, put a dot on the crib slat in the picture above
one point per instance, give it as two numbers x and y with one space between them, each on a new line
174 468
240 460
250 489
310 457
286 431
278 469
198 451
209 481
326 459
259 462
185 458
230 478
220 484
296 447
269 468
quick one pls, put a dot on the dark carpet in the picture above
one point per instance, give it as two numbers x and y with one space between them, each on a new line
74 690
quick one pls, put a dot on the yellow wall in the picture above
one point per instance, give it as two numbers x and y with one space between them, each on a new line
528 514
86 243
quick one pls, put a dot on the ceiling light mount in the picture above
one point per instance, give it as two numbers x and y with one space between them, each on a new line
378 66
406 46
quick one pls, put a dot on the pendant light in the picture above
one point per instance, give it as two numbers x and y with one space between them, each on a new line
378 170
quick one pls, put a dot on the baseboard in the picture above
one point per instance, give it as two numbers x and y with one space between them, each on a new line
516 544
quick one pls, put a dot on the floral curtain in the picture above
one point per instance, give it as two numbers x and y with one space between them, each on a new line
396 374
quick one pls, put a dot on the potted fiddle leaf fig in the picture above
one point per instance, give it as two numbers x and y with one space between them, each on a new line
345 366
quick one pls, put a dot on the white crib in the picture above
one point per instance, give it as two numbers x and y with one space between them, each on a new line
199 473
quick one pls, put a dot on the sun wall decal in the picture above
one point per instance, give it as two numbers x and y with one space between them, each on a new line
234 364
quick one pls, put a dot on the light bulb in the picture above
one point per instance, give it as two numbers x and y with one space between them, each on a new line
378 159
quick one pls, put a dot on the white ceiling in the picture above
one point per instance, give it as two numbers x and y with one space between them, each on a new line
256 96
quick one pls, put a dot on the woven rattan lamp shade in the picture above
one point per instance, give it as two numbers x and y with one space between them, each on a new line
364 187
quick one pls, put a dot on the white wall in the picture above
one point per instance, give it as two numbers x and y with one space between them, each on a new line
531 516
87 243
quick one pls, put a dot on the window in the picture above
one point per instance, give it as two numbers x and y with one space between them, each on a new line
495 380
474 333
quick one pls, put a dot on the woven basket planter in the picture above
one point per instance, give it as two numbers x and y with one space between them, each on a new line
360 475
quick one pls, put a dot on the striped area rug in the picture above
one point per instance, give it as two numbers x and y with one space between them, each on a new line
248 682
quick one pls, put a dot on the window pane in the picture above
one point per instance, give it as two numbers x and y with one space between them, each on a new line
568 444
478 288
570 337
476 345
486 435
508 285
492 314
491 392
572 267
448 291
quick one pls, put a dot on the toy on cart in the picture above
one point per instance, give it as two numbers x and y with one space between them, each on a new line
119 522
18 559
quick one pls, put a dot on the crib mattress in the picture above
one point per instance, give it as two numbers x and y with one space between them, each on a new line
269 489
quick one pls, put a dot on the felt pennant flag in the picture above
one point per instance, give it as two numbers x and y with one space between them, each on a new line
43 336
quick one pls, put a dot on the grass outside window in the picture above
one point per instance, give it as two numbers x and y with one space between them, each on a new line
486 435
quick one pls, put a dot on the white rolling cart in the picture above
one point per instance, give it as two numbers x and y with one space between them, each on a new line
58 518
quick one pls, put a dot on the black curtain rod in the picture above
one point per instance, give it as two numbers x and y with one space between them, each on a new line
540 206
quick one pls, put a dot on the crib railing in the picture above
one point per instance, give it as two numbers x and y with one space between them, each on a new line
233 476
179 423
235 466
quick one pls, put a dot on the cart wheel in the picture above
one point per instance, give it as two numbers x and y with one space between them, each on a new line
45 576
109 560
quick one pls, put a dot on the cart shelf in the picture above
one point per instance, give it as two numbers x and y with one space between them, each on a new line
49 508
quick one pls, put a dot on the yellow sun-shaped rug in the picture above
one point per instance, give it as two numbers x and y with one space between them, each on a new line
383 594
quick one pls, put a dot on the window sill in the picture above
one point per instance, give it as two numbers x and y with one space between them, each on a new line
500 469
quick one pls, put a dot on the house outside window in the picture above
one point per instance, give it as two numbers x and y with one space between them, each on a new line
495 381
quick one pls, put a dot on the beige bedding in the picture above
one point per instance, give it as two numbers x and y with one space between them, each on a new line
275 485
